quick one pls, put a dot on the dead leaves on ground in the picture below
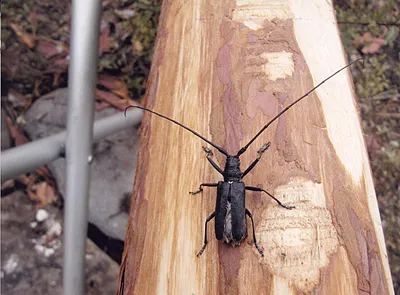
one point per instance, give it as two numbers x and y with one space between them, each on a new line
50 48
16 133
114 91
117 94
369 44
18 100
40 185
26 38
36 47
41 194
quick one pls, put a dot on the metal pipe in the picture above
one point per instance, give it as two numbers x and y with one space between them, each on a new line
82 82
32 155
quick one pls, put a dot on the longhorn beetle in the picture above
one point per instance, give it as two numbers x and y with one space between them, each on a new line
230 210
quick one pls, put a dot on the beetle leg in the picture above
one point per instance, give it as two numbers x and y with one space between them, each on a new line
257 189
201 187
254 234
209 154
260 152
205 234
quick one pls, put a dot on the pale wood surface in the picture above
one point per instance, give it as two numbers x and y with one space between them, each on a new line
224 69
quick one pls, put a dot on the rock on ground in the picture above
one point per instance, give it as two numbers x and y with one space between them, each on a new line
113 167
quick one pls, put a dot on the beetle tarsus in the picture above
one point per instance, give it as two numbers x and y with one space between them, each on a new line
287 206
259 250
263 149
201 250
254 233
208 151
196 192
201 187
205 234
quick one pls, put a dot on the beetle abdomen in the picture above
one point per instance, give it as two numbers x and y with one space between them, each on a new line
238 211
230 220
221 208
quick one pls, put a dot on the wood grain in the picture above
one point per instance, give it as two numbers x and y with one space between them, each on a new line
225 69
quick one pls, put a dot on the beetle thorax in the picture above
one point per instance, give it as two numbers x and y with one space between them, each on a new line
232 169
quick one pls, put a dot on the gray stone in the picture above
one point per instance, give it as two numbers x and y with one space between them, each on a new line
113 165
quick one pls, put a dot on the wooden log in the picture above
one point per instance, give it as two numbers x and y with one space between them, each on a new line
225 69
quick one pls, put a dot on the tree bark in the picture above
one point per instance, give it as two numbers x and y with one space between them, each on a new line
225 69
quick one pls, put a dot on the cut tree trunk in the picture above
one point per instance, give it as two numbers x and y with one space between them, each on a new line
225 69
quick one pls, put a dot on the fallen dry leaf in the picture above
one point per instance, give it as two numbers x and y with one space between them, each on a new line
27 180
374 46
116 85
49 48
125 13
45 193
36 85
59 65
62 63
369 44
101 105
114 100
26 38
32 195
18 99
364 38
16 133
8 184
137 47
41 194
33 19
389 115
106 42
56 79
43 171
373 144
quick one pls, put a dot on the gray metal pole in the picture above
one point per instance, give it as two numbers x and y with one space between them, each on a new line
28 157
82 82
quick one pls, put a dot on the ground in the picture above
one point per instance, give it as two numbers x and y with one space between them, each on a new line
32 253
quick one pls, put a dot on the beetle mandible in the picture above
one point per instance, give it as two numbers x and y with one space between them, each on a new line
230 209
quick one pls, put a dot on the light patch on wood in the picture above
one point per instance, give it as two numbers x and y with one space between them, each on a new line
278 65
299 241
253 14
346 283
185 253
165 262
322 58
321 55
281 286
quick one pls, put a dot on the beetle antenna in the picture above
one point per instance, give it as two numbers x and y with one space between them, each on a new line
221 150
243 149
